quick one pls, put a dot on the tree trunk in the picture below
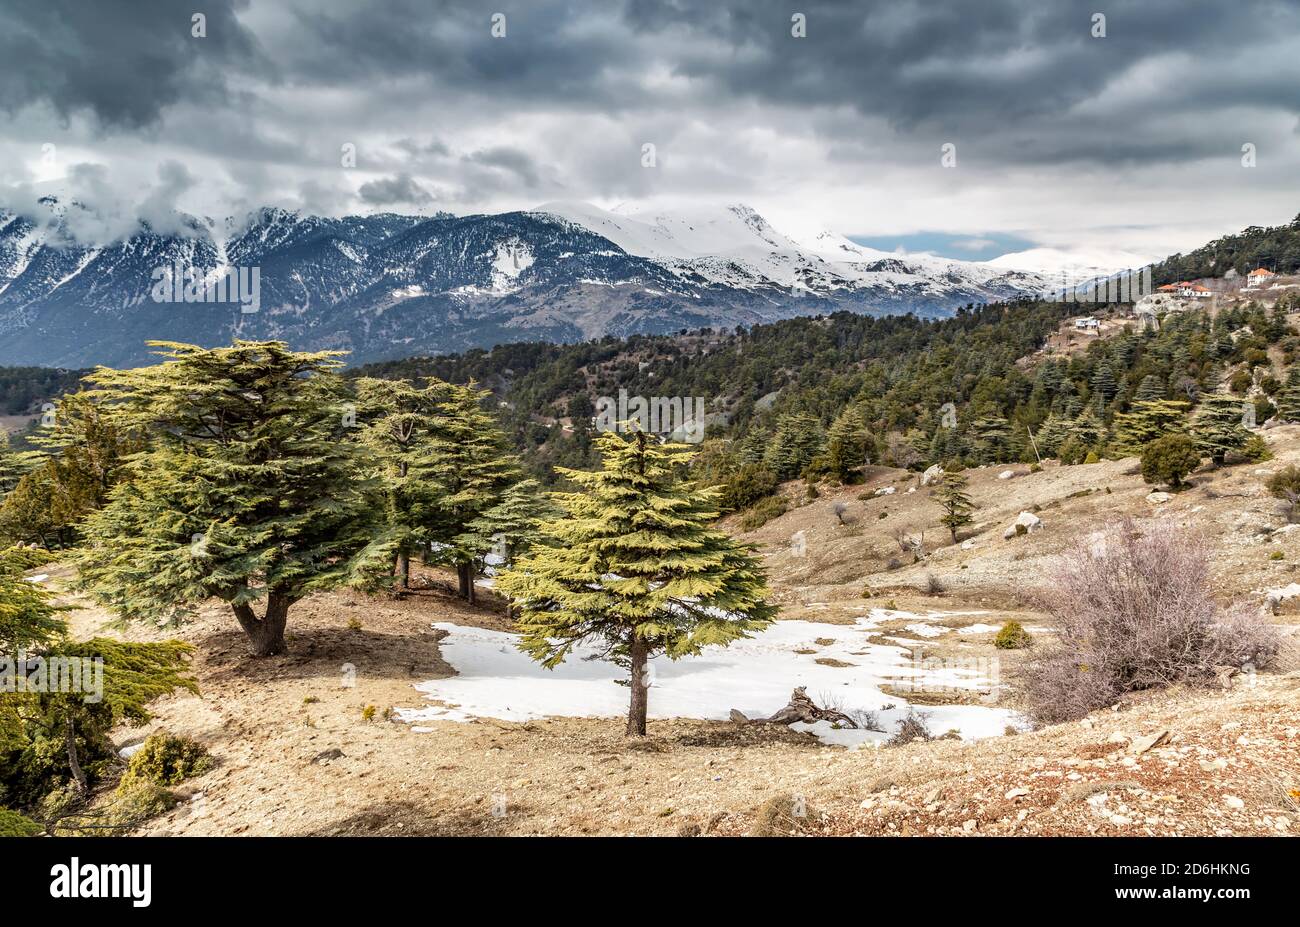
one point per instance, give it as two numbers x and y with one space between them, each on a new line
404 568
636 709
473 591
74 762
266 634
462 580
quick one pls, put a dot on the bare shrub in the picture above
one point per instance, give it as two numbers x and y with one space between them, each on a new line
842 514
1135 612
912 728
932 585
910 543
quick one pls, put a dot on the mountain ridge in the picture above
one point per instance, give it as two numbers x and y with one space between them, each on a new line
388 285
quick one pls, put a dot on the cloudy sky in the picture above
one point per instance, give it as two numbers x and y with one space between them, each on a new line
1061 138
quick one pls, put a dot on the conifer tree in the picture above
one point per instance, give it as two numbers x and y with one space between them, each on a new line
1052 434
1151 387
28 616
847 444
1147 421
1217 426
27 513
799 438
14 464
248 493
1288 400
472 470
956 503
1088 429
1103 385
992 438
510 527
637 567
402 425
89 447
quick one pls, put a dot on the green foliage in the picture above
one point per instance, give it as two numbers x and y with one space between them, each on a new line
956 503
1145 422
1276 248
23 389
13 824
29 619
249 492
36 728
1288 400
1285 485
14 464
848 445
748 485
763 512
636 566
27 515
1256 449
166 759
798 440
400 424
1012 636
1217 426
473 470
1170 459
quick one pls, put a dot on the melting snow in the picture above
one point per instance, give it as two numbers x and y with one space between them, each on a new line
496 680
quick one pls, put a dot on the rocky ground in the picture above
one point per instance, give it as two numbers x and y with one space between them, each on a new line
304 743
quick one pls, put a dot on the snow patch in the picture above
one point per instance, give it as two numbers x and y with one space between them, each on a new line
756 675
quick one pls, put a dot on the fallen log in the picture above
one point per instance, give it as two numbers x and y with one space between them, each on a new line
799 708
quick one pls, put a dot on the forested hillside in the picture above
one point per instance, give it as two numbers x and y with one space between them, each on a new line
1277 249
819 395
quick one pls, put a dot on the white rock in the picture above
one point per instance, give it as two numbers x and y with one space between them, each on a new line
885 491
1232 801
1028 520
1275 597
931 476
1158 498
1016 793
1006 474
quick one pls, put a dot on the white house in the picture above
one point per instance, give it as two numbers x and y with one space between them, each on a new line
1195 291
1087 323
1259 277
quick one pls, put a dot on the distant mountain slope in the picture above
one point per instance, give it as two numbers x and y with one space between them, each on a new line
388 286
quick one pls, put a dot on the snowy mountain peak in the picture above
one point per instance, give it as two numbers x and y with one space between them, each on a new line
388 285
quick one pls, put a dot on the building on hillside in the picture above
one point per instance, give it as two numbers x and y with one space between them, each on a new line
1258 277
1087 323
1195 291
1168 288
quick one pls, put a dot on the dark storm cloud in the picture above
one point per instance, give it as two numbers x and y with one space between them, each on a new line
847 121
400 189
122 60
970 70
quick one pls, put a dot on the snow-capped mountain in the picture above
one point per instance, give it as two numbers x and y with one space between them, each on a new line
388 286
1073 266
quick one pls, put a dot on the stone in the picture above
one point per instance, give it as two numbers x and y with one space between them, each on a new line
1143 744
1158 498
932 476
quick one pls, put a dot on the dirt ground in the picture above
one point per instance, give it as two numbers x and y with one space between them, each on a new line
296 754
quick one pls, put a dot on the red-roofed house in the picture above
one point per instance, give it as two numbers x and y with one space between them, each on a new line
1259 277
